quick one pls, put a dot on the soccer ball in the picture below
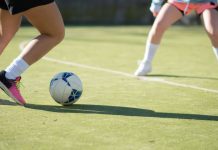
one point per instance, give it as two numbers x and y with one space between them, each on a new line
66 88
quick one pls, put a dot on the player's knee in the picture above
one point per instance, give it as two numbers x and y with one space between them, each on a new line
59 35
6 37
4 40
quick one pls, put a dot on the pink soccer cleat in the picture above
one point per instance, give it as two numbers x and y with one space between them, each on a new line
11 88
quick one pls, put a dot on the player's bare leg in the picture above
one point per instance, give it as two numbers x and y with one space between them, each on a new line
168 15
9 25
210 19
51 28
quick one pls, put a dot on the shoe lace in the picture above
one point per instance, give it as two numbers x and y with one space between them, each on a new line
18 83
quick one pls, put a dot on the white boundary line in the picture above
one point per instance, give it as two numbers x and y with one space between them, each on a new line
159 80
152 79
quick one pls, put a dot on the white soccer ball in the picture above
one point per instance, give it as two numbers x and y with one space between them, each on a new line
66 88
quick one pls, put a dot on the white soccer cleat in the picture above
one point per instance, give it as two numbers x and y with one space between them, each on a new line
143 69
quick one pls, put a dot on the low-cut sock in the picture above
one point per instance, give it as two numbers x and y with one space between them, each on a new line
150 51
215 52
16 68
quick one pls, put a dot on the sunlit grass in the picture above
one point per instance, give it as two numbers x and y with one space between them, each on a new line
115 111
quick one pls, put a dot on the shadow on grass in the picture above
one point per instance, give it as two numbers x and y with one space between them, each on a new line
7 102
181 76
119 110
113 110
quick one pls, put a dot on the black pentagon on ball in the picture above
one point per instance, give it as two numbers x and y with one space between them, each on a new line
65 76
75 94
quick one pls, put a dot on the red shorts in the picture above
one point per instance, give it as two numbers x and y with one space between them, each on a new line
197 7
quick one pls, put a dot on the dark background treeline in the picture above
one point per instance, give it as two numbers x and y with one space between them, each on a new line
112 12
105 11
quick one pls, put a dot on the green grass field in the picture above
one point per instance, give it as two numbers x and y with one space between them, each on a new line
116 110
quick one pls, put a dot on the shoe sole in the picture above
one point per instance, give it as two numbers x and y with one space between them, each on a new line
142 74
5 89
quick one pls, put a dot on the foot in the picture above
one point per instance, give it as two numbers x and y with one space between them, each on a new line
11 88
143 69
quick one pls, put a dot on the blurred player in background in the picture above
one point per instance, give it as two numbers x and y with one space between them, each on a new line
44 15
171 12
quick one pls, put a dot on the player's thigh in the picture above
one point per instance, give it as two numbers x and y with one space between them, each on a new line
9 24
46 18
210 19
168 15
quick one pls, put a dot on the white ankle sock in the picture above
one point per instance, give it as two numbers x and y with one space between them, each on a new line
150 51
16 68
215 52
